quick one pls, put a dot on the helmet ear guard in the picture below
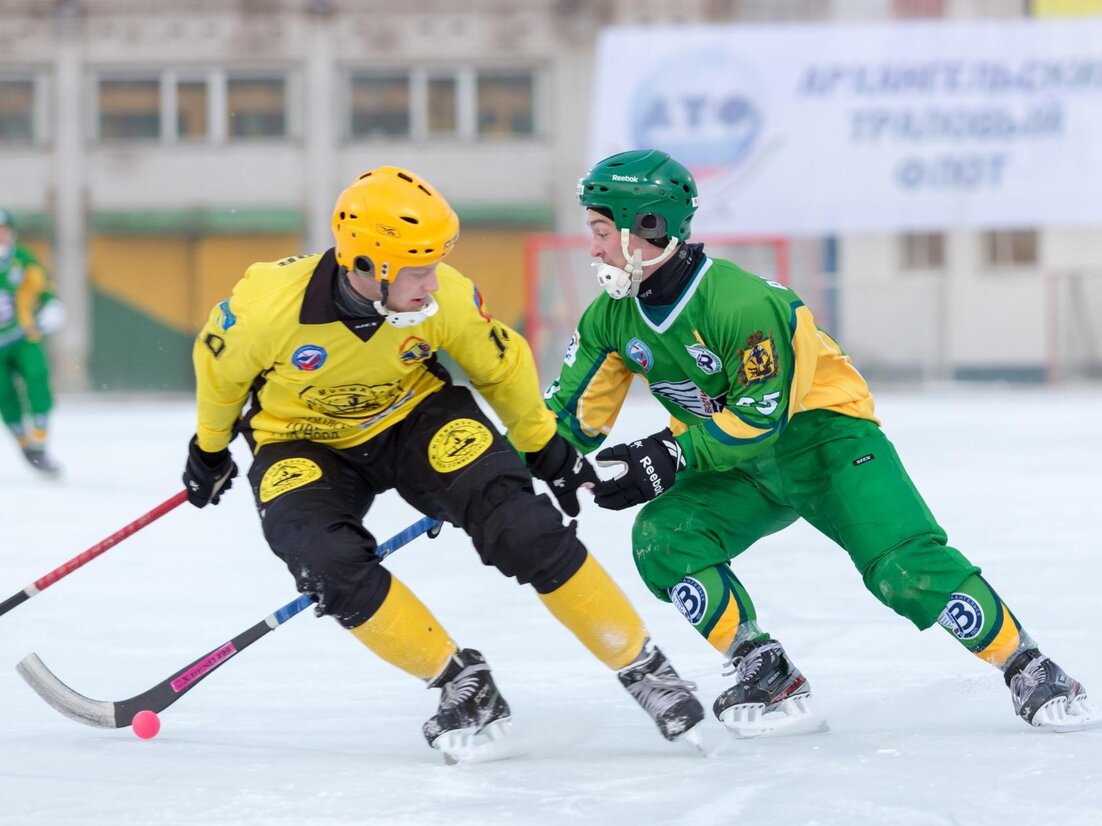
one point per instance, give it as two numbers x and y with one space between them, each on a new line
649 225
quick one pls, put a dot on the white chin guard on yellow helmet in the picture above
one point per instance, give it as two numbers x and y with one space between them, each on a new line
408 319
623 282
362 267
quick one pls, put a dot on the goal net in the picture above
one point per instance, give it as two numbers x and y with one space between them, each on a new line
1074 324
560 282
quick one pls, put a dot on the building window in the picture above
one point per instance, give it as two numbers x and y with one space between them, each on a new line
380 106
443 102
460 102
506 103
130 110
922 251
256 107
17 111
191 109
1010 248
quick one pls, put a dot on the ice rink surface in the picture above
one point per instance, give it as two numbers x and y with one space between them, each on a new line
308 727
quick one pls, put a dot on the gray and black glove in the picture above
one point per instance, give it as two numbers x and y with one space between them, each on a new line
562 467
650 467
207 475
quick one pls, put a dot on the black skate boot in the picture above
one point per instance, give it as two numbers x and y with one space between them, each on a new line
472 712
1044 695
668 699
770 696
37 457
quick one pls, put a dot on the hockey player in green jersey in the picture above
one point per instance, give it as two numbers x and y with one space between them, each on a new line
769 422
28 311
327 364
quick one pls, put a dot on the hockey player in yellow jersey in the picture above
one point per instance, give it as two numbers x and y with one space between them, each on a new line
327 365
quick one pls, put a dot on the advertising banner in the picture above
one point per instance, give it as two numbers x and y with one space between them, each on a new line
823 129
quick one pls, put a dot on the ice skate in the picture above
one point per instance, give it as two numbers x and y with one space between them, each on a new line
1046 697
668 699
37 457
770 697
472 721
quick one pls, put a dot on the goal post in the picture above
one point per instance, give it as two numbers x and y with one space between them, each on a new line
1073 324
560 282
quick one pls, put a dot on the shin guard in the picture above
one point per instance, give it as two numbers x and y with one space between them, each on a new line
982 623
594 608
406 634
717 605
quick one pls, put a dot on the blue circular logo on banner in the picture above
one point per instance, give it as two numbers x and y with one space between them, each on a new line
309 357
700 106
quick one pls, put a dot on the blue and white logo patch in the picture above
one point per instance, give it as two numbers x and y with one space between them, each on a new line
309 357
705 359
690 598
571 354
640 354
226 319
963 616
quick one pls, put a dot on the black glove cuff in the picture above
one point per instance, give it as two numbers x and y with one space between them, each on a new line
548 461
211 460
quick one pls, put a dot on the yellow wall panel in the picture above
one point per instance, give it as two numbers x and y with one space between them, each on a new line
221 260
176 280
494 260
1067 8
148 272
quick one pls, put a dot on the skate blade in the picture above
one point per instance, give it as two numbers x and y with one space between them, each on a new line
1062 717
692 741
796 715
470 746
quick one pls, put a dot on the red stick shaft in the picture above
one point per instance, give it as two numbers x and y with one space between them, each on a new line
110 542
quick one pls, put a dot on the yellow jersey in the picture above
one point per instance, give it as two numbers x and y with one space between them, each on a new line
315 376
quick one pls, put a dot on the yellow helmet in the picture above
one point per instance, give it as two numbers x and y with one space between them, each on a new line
394 219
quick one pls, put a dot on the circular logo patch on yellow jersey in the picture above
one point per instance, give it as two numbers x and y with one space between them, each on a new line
286 475
457 444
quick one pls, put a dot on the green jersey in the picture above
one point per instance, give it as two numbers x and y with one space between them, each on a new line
24 288
731 360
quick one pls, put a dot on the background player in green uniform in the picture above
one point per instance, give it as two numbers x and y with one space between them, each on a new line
770 422
28 310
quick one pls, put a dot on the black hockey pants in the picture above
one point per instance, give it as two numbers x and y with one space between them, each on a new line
448 461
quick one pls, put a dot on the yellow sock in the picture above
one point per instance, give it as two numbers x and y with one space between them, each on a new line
406 634
594 608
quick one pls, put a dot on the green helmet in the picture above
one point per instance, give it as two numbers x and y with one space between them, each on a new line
648 193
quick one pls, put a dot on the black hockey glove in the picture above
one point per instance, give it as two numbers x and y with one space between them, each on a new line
207 475
650 466
562 467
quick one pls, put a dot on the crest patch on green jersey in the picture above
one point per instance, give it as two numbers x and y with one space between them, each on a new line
759 359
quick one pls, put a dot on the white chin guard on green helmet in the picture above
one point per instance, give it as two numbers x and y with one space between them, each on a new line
410 319
623 282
